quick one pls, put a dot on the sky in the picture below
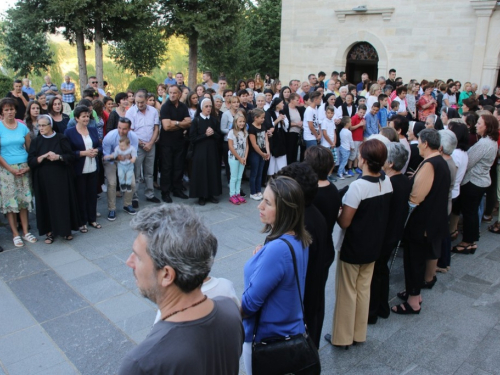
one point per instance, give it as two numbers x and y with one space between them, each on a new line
4 5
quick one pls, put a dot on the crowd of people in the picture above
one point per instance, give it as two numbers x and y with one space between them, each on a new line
423 154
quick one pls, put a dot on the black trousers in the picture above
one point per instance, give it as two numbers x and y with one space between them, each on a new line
415 256
379 288
172 167
86 189
292 147
470 199
157 164
225 150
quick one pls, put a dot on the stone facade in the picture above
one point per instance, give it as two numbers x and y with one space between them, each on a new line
421 39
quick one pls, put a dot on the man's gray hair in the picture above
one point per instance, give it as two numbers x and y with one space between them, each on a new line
448 141
431 136
397 155
177 237
486 87
344 88
381 78
260 95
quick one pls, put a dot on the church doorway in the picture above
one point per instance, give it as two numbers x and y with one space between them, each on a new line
361 58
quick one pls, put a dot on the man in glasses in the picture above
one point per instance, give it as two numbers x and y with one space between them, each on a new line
94 84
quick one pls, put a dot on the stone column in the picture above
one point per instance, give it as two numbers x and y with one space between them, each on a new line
483 9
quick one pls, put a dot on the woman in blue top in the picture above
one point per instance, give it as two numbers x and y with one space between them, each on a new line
270 285
15 190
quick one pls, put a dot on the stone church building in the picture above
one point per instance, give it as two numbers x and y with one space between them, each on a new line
421 39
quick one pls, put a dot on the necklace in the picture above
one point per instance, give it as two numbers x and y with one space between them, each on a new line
185 308
9 126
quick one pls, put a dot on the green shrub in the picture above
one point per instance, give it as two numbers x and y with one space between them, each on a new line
5 85
143 83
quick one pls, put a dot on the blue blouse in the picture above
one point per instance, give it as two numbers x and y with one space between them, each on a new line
270 284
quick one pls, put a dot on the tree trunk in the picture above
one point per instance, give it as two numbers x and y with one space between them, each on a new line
82 62
193 60
98 53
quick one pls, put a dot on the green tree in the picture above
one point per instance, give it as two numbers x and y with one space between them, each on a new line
206 24
141 53
24 52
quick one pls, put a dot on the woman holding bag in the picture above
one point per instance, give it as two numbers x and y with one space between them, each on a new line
271 304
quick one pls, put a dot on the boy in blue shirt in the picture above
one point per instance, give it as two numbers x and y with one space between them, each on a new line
372 121
382 115
394 109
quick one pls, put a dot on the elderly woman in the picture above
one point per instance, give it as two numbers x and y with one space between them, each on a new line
15 191
397 155
205 177
461 160
51 158
484 98
427 224
271 292
466 93
477 178
426 105
365 214
85 144
448 145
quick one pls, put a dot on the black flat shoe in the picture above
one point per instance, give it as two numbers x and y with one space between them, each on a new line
372 319
429 284
166 198
213 200
201 201
180 194
405 309
328 337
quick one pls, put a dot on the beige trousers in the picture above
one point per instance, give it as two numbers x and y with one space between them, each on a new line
110 172
352 290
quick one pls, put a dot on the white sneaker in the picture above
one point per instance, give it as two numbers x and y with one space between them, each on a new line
255 197
260 195
341 177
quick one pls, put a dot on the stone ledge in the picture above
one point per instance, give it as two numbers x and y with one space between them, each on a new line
385 12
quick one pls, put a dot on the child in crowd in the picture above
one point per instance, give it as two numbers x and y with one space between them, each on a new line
358 124
372 121
383 113
328 138
125 165
237 157
258 152
346 146
401 99
394 108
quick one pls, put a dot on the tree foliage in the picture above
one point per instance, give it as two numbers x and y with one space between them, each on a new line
145 83
5 85
142 52
23 51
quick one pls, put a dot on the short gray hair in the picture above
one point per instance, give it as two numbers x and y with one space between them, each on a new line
344 88
177 237
381 78
260 95
448 141
397 155
431 136
486 87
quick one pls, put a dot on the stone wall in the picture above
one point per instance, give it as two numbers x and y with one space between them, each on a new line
419 38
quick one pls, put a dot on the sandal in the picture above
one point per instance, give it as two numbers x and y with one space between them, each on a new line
95 225
49 239
83 229
404 309
464 249
495 228
404 296
18 242
454 235
487 219
30 238
68 238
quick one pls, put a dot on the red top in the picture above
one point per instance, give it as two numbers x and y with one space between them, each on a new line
357 134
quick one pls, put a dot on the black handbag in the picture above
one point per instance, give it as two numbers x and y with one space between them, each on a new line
295 354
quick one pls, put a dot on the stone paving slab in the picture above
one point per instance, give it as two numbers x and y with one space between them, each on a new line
78 301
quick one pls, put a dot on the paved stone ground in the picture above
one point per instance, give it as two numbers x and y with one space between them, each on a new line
73 307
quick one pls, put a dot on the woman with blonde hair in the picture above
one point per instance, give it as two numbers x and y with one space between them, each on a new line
466 93
375 91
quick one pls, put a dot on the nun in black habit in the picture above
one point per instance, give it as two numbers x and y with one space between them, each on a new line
50 158
204 134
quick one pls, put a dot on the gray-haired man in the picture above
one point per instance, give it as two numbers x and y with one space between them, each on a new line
172 255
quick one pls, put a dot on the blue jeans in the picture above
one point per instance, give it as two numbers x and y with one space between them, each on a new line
257 165
344 156
236 174
311 143
125 173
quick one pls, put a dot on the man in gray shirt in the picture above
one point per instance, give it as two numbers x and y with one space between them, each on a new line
172 255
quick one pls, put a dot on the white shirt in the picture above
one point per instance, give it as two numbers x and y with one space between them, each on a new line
461 160
329 126
402 105
143 123
346 141
310 115
90 163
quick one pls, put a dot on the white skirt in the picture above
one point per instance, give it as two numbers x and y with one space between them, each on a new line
275 164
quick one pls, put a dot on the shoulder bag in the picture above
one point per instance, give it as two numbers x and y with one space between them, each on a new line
279 355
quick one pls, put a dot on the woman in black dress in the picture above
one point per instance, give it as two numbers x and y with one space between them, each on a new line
205 134
59 119
50 159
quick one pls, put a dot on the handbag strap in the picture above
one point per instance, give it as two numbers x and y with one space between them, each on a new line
257 318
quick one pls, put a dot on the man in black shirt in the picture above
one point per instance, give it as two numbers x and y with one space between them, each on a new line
392 78
22 99
245 100
175 120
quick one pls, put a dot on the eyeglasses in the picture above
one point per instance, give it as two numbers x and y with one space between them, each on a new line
94 82
43 125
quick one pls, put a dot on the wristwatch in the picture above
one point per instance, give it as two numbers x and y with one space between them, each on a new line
177 123
60 158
